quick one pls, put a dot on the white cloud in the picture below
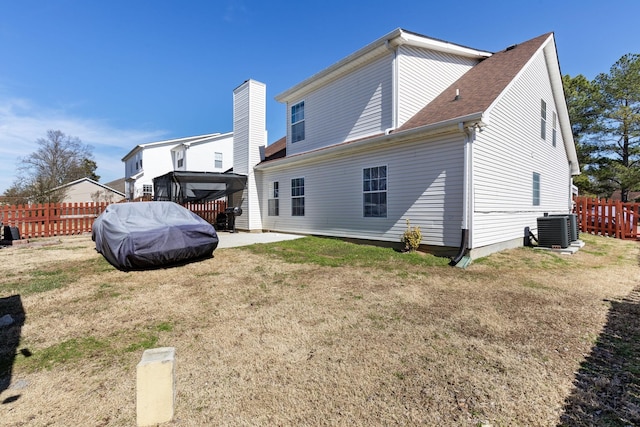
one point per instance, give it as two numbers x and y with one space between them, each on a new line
22 123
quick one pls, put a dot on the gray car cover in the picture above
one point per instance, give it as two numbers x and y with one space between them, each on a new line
142 235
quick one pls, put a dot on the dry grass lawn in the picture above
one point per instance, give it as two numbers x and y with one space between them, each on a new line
523 337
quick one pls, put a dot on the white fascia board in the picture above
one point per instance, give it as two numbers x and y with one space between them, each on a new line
77 181
208 138
381 46
182 140
442 46
427 131
553 65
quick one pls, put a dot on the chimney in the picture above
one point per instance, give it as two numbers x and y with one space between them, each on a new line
249 137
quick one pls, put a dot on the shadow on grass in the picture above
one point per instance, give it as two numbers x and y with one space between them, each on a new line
607 386
12 318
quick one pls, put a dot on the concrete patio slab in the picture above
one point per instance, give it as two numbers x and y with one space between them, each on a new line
232 240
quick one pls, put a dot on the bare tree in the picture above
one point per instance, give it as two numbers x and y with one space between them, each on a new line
59 159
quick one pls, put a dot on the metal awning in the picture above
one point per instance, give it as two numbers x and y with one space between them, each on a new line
183 186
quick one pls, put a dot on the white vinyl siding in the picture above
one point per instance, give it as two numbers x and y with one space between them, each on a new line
352 107
202 156
424 185
423 75
249 133
507 152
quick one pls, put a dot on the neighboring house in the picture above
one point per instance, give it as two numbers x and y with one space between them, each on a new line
86 190
117 185
469 145
205 153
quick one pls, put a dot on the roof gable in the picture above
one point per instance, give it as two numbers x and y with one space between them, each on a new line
90 181
371 52
186 140
479 87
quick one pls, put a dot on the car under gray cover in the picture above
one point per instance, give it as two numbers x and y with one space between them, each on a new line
141 235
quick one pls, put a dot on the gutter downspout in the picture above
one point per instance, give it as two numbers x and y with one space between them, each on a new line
469 134
394 88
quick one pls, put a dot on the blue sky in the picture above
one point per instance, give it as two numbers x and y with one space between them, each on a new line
119 73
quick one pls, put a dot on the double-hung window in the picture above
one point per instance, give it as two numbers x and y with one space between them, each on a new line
217 160
274 201
536 189
297 197
543 119
374 188
297 122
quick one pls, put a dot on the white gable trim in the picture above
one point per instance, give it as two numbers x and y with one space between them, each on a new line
550 55
383 46
77 181
177 141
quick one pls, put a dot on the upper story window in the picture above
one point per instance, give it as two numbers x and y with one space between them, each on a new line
179 159
217 162
554 130
543 119
297 122
297 197
536 189
374 187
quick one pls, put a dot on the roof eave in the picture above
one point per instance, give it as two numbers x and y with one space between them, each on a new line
426 131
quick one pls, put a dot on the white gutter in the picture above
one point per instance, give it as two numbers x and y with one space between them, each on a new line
368 143
394 88
467 190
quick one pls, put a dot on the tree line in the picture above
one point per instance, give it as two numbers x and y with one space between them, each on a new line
605 119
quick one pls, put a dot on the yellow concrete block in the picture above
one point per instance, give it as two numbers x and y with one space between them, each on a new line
155 386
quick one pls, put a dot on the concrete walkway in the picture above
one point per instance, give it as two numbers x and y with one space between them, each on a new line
232 240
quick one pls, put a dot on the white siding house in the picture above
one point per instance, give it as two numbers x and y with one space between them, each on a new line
471 146
204 153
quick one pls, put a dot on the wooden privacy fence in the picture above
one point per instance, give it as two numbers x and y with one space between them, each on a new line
63 219
207 210
608 217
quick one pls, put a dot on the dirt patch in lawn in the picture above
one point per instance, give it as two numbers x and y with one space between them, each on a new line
511 340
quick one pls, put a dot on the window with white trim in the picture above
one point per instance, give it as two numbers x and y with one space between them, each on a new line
374 188
297 197
554 130
543 119
536 189
297 122
217 162
147 190
274 200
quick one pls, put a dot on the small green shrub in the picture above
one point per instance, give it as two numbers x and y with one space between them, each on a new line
411 237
